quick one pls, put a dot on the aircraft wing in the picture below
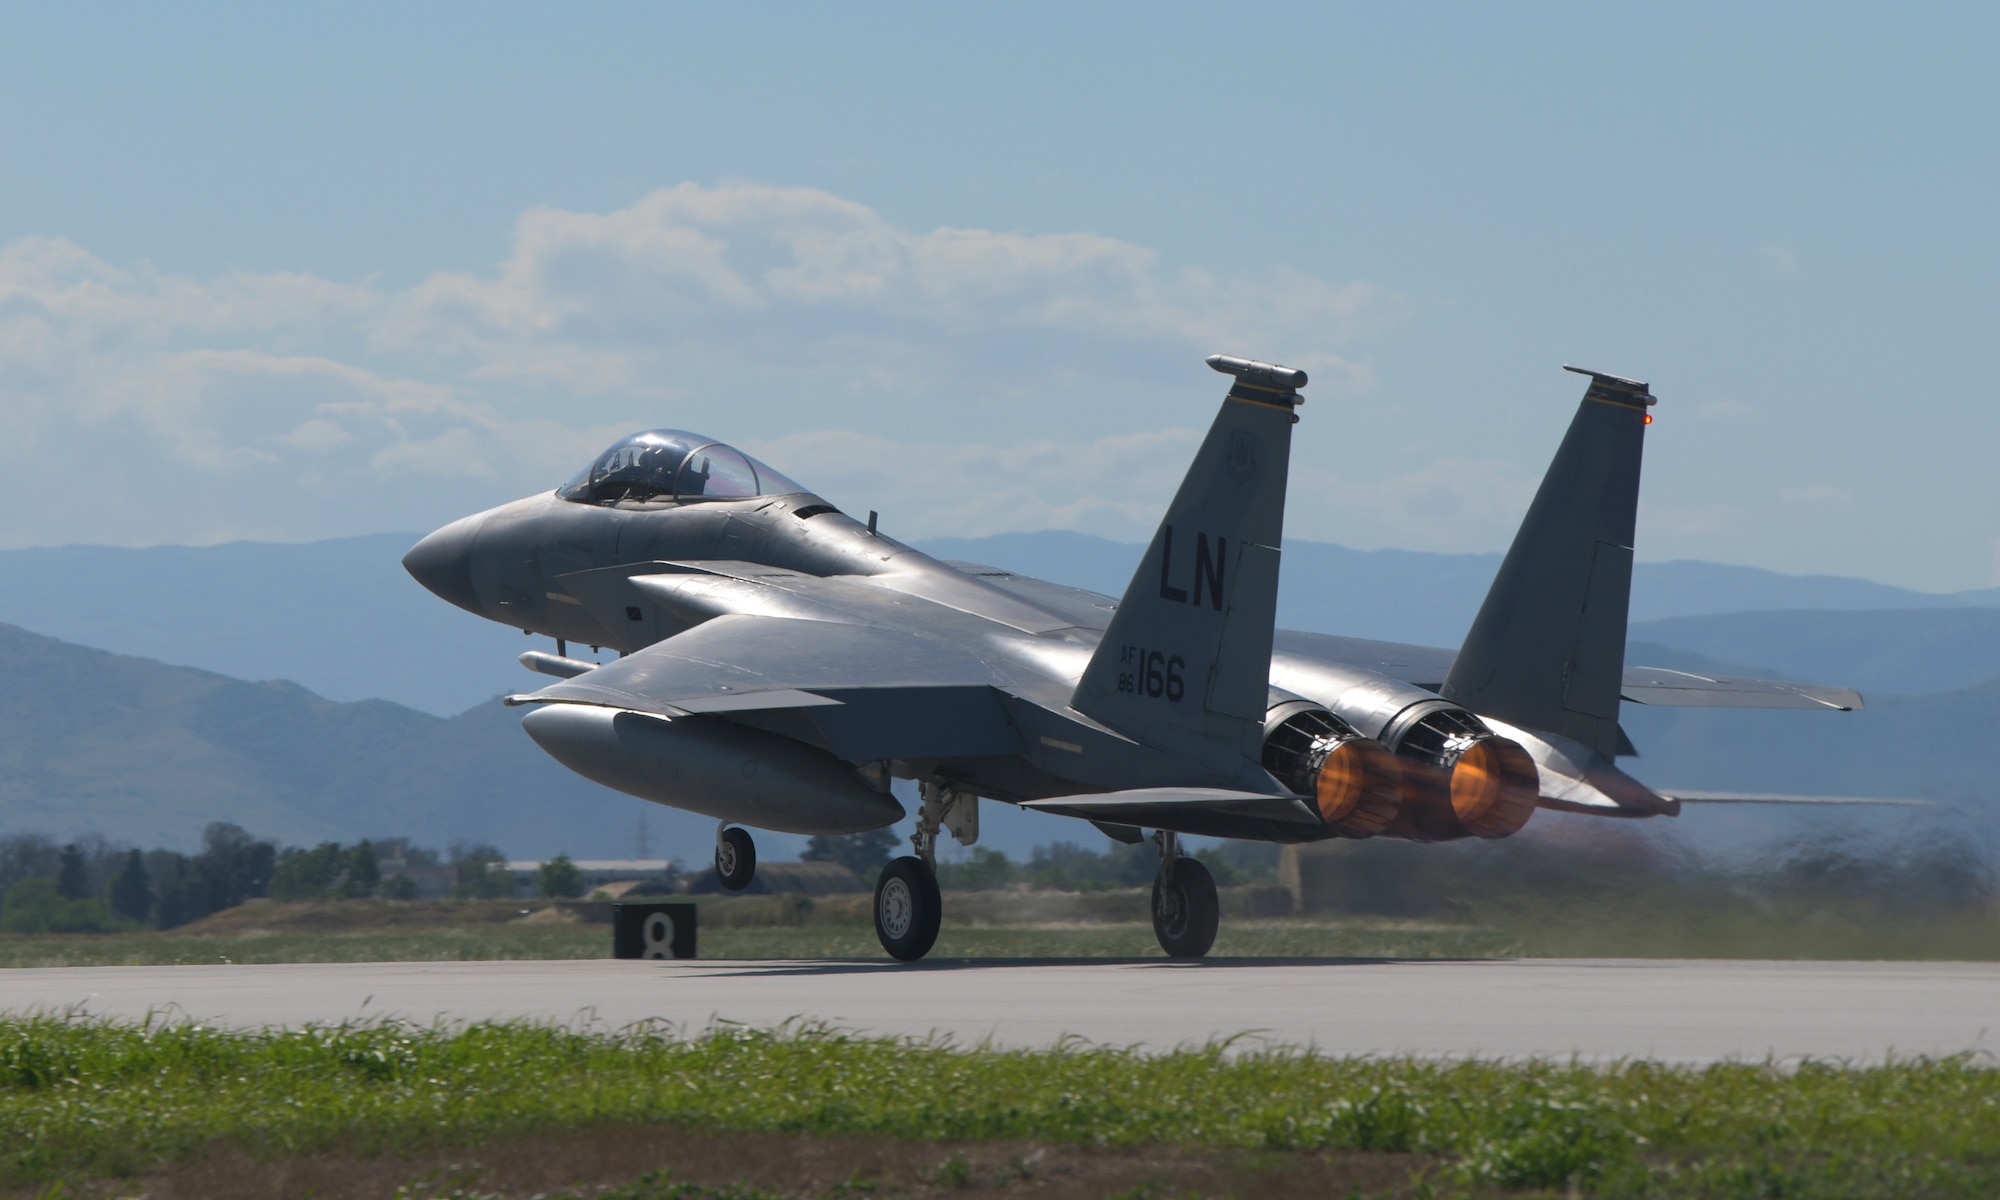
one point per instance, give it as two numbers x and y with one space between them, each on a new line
1660 685
1427 666
860 691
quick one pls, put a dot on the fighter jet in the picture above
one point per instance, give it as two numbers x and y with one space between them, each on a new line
780 663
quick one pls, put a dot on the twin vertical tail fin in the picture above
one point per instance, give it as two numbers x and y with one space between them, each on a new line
1186 662
1547 650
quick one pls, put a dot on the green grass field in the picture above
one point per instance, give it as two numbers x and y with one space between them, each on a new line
82 1102
102 1109
1245 939
1024 925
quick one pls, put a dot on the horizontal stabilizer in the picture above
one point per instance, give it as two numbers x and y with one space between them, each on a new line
1131 807
1685 689
1687 797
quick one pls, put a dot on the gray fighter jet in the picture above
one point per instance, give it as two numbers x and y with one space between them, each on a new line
781 662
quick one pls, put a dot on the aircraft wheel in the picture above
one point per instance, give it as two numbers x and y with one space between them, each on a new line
1185 910
735 859
907 908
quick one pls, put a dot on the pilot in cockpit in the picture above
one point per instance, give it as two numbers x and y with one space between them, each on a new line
693 480
671 464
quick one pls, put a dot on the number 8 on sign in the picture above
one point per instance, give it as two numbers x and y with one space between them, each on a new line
657 936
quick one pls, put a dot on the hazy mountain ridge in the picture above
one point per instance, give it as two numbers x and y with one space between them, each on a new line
340 617
147 753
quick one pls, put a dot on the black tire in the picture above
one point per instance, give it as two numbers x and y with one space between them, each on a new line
1185 910
735 859
907 908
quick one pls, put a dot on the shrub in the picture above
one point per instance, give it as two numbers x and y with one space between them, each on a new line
482 873
559 879
34 905
859 852
132 889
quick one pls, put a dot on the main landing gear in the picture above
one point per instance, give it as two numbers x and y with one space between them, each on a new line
1185 909
908 908
735 857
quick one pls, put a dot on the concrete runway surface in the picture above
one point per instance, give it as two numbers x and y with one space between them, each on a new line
1677 1011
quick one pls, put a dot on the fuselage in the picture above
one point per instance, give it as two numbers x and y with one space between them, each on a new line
527 564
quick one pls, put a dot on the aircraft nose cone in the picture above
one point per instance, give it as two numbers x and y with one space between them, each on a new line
442 562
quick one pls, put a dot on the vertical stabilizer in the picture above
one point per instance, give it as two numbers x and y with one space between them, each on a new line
1186 662
1547 650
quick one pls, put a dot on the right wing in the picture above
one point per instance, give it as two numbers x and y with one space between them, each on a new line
1427 666
859 691
1664 686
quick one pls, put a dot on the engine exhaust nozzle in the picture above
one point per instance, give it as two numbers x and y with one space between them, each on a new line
1494 786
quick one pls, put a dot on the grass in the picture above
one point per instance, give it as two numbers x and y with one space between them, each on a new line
553 941
430 945
1013 924
83 1099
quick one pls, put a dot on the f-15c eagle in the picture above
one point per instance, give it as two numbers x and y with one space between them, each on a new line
780 663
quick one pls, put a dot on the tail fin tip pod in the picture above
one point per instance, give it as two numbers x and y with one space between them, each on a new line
1547 650
1186 660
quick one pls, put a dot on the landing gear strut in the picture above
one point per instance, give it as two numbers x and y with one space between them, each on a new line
1185 909
735 858
908 909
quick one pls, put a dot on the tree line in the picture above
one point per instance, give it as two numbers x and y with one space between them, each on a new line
94 885
1059 866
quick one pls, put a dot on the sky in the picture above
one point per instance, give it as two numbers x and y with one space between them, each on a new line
287 272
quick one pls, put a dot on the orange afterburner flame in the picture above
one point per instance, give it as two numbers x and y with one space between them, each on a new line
1359 788
1493 788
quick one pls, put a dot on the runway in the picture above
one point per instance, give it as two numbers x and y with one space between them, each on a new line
1675 1011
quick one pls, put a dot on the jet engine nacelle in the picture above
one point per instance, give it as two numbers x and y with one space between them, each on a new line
1458 777
712 767
1353 780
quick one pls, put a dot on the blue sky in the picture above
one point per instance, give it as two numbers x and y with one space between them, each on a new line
291 271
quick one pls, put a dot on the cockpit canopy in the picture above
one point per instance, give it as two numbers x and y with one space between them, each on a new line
671 465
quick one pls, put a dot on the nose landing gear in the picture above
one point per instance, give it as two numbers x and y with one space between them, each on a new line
735 858
1185 909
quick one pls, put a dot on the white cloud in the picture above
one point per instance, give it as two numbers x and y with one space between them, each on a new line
1115 486
1455 503
1784 260
692 280
141 405
1723 410
1823 497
